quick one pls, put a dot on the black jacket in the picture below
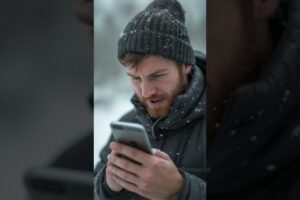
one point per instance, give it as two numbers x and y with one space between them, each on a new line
256 152
180 135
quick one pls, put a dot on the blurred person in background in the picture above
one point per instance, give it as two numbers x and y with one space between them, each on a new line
85 13
253 99
168 80
71 164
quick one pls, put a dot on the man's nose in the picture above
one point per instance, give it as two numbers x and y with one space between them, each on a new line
147 90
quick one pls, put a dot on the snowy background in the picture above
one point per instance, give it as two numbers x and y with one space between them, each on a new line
111 86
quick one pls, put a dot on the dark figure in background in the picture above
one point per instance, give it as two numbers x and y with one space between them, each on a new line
253 99
85 13
70 174
168 82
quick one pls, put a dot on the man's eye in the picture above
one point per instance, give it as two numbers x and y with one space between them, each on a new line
158 75
135 78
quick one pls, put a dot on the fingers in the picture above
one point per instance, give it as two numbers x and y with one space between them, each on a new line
123 163
123 174
141 189
132 153
161 154
125 184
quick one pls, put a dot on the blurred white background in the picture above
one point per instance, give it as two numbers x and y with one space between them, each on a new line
111 86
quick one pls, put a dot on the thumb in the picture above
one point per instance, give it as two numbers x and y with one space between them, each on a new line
160 154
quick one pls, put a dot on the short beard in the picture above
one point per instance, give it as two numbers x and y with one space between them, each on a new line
164 112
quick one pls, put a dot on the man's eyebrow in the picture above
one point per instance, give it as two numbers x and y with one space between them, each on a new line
153 73
158 71
131 75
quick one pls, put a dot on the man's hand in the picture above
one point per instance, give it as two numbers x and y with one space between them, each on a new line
112 184
156 177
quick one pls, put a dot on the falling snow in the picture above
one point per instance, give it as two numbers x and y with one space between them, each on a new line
296 133
208 169
253 138
260 113
245 163
233 132
286 95
198 110
122 35
271 167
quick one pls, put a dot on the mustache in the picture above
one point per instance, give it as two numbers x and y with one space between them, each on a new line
154 97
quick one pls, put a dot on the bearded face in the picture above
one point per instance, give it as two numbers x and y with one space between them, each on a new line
159 104
157 82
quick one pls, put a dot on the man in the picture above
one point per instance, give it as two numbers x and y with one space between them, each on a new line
253 95
169 103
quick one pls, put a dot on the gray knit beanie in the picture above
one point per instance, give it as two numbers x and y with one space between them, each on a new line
158 30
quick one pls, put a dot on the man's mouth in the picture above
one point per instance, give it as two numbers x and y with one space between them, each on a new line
155 103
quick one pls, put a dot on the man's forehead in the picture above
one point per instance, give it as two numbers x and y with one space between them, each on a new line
151 64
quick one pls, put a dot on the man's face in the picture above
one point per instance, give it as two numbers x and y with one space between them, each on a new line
157 82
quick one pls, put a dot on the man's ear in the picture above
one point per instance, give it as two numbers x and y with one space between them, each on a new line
187 69
264 9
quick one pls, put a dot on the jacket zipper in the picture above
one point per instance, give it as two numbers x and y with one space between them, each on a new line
153 130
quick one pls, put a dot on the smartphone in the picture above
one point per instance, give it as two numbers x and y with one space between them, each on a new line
131 134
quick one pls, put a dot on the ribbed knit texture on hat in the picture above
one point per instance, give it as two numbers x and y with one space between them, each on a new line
158 30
